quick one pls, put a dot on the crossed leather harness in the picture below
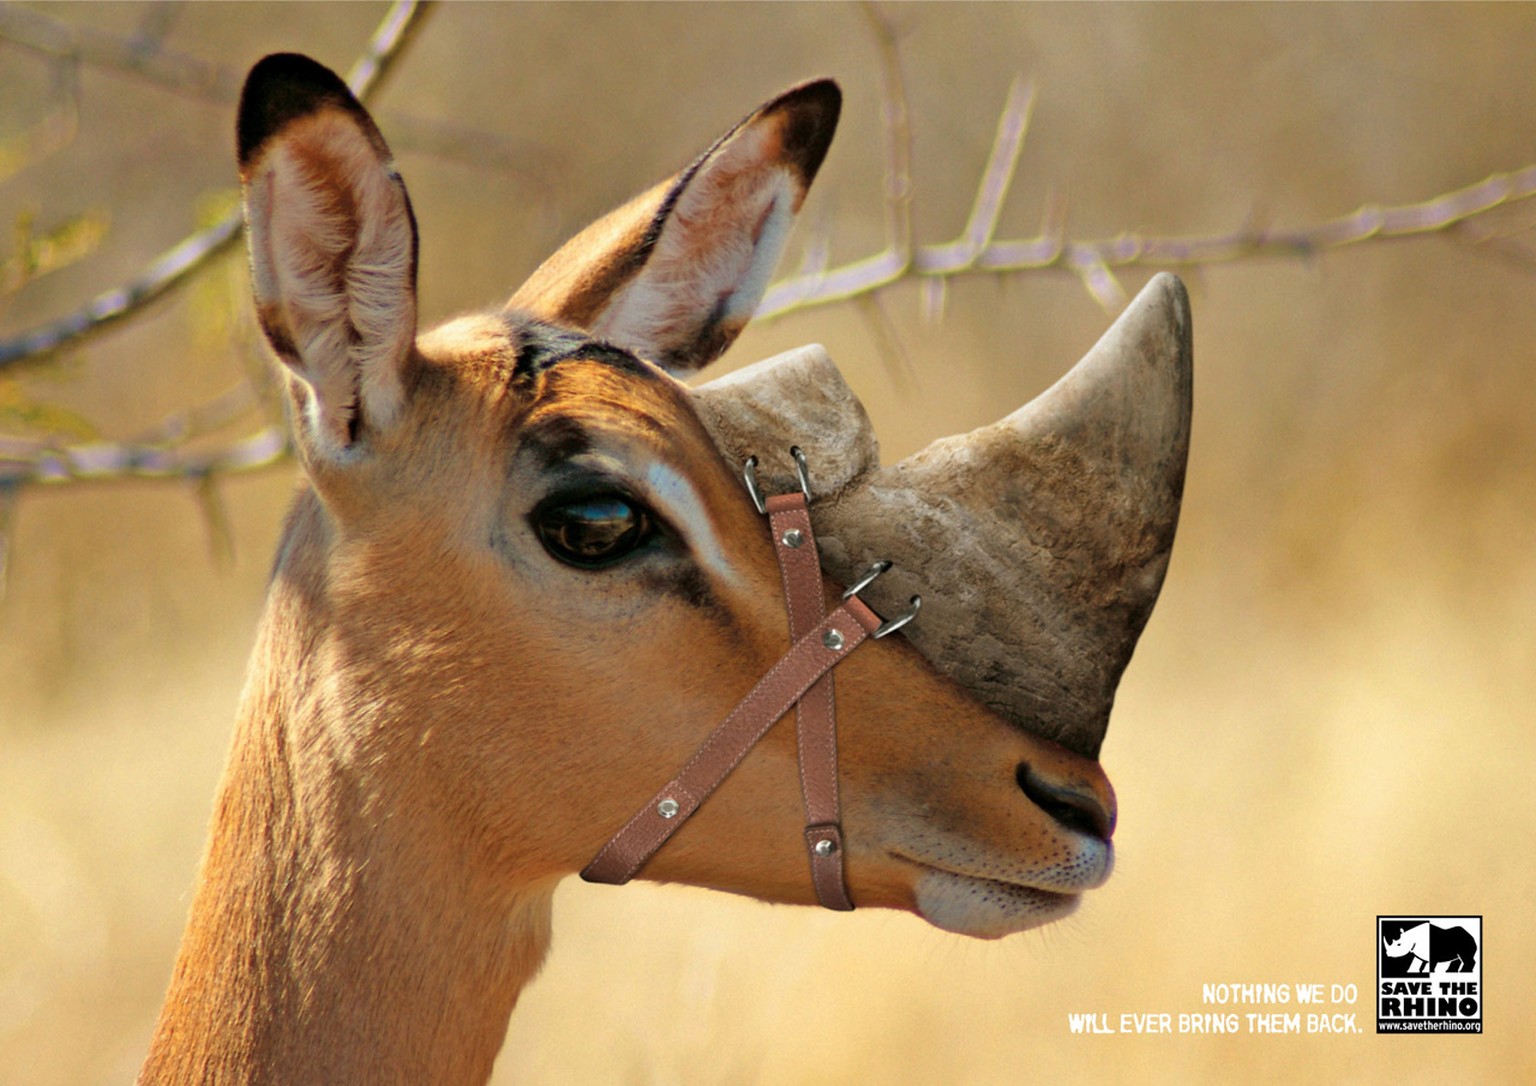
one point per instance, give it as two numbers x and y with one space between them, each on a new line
801 678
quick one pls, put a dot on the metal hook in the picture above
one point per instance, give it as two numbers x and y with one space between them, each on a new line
803 470
887 626
868 579
749 473
890 626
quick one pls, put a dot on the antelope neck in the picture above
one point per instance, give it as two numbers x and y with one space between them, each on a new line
801 678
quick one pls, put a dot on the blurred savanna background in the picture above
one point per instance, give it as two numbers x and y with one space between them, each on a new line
1328 718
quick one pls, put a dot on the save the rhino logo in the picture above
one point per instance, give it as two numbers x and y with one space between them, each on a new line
1429 974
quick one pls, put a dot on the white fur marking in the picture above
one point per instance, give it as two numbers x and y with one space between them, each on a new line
672 489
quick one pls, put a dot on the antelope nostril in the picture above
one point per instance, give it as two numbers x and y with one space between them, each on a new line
1076 809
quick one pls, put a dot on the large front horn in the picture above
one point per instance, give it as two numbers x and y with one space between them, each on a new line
1038 543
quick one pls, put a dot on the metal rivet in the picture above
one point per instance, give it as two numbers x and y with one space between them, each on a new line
792 538
832 639
825 847
667 808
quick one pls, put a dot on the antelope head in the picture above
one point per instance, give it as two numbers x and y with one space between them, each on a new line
523 580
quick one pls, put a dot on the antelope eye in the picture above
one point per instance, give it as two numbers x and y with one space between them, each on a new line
592 532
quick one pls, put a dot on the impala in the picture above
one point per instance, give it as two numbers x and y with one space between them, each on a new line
524 581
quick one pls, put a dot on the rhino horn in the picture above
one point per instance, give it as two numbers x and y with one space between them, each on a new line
1038 543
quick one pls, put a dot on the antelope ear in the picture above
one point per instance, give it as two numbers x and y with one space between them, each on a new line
675 274
333 248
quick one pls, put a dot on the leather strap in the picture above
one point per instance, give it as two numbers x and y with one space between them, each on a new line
808 659
789 517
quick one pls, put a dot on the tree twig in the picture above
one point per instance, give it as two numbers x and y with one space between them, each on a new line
385 46
897 130
165 273
29 462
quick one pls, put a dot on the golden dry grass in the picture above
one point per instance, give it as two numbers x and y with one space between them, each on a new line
1328 718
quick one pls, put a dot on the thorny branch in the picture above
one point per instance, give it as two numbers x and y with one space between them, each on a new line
24 462
977 252
173 451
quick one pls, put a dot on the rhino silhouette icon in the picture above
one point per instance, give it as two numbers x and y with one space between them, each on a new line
1425 947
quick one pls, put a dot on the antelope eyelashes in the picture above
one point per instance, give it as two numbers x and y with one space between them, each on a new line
592 529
